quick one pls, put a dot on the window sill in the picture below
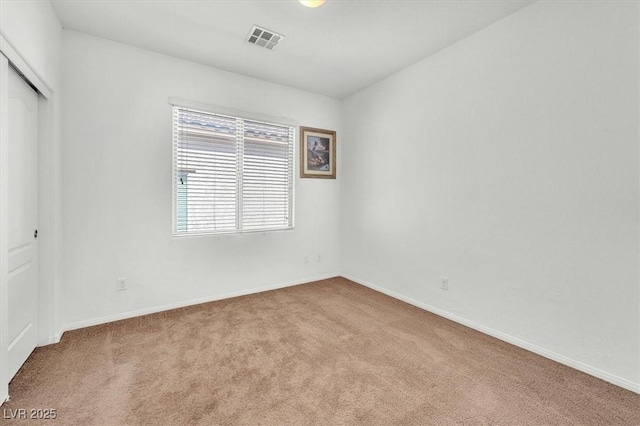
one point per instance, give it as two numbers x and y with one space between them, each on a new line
184 235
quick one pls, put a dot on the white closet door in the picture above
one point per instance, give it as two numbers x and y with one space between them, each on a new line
22 196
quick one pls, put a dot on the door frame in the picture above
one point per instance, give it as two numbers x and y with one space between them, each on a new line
48 208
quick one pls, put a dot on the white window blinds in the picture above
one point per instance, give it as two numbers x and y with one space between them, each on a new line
230 174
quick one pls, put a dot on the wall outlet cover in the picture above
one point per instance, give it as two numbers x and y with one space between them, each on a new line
444 283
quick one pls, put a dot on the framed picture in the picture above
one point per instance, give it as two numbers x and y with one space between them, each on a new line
317 153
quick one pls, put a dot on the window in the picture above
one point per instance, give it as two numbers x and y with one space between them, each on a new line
230 174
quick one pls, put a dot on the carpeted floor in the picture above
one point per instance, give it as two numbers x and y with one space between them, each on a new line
325 353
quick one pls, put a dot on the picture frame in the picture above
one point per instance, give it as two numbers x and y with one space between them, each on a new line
317 153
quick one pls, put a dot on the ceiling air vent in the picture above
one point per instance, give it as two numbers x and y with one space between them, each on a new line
264 37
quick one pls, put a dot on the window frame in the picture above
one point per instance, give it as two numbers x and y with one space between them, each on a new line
238 114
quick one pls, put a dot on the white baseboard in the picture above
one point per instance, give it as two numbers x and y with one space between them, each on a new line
52 339
619 381
182 304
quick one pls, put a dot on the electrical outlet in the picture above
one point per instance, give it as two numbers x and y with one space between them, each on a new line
122 284
444 283
319 259
306 259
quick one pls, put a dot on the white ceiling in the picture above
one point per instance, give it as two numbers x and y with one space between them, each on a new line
335 50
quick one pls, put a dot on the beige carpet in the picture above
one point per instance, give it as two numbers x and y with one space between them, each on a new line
325 353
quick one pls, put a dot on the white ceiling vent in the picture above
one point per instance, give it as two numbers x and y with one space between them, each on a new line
264 37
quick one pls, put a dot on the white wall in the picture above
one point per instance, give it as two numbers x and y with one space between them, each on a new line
117 187
508 162
33 32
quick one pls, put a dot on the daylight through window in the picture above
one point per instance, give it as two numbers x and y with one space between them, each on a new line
231 174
